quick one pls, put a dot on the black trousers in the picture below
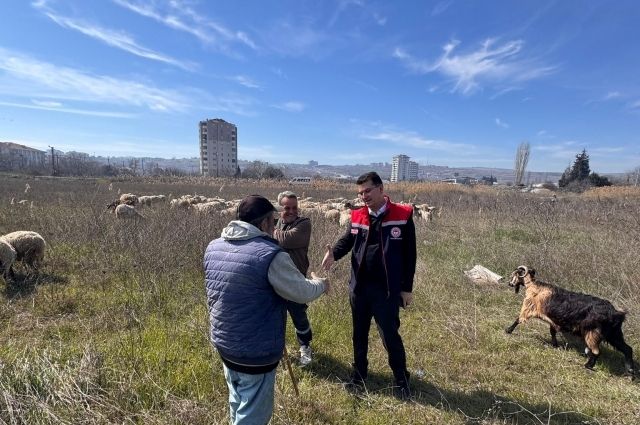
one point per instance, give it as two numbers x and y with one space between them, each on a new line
298 313
372 302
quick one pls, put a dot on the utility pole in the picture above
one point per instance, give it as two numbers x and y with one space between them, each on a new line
53 164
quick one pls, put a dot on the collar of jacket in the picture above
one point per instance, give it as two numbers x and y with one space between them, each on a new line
394 214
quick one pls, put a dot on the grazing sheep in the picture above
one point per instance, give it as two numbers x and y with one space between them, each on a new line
592 318
7 257
29 247
124 211
129 199
149 200
332 215
423 211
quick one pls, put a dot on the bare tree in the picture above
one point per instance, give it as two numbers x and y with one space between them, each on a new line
522 158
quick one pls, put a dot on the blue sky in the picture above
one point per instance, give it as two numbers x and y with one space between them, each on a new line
457 83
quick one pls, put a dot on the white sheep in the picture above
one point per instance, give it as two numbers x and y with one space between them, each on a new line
208 207
332 215
124 211
7 257
424 211
29 247
129 199
345 217
150 200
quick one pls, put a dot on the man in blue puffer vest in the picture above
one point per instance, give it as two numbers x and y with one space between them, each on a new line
248 277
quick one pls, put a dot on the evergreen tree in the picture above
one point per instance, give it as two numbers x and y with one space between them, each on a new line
579 177
598 180
565 178
580 170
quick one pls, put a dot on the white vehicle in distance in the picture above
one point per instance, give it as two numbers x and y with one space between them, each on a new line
301 180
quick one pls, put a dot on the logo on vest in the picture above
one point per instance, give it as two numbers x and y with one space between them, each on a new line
396 232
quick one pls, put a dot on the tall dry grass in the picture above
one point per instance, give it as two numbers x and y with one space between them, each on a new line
114 329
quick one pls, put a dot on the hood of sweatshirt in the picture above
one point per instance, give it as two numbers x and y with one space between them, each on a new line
238 230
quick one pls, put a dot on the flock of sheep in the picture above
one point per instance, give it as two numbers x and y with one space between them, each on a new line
336 210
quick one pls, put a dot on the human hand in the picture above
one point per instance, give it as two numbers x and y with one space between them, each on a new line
327 285
328 259
407 299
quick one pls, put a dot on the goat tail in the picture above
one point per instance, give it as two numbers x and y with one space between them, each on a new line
618 317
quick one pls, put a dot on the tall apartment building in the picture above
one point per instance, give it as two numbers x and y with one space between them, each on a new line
218 148
412 172
403 169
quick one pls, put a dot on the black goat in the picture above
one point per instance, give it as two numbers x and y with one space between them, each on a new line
592 318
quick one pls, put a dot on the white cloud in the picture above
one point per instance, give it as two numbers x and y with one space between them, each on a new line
291 106
612 95
490 63
298 38
441 7
387 133
23 76
501 123
565 149
502 92
380 19
180 16
55 106
112 38
46 103
245 81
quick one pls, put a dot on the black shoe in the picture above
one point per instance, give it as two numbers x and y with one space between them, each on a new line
355 383
401 391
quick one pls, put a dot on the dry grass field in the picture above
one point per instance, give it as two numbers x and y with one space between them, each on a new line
114 328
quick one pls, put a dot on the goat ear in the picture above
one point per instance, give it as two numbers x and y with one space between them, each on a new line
532 272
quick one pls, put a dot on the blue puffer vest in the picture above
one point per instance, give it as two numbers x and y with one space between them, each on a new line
246 315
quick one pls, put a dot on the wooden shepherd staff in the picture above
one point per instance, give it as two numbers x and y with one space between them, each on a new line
293 378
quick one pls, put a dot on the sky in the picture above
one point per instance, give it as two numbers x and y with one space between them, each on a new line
451 83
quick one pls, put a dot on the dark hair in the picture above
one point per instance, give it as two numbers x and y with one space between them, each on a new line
372 176
258 221
254 207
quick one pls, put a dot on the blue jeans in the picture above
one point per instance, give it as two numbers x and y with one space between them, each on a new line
250 397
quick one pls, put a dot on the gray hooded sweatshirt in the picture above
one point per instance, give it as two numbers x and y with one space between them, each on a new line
283 275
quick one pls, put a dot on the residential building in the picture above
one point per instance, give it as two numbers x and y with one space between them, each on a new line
218 148
403 169
20 156
412 171
399 167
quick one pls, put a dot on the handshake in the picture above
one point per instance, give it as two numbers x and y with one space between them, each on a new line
327 262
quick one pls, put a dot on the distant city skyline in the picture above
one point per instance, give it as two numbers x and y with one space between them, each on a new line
450 83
